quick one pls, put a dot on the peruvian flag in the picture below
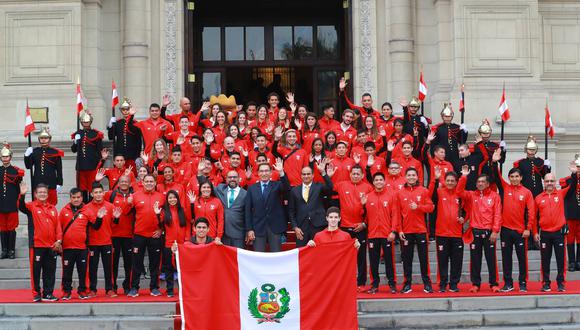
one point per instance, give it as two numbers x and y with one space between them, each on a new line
422 88
115 97
504 110
81 101
461 102
227 288
28 123
549 124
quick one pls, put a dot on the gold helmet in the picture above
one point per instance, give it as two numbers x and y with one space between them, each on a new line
6 151
531 144
447 110
484 128
126 103
414 102
85 117
577 160
44 133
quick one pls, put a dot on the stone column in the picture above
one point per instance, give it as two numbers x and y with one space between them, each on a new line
445 32
136 52
401 49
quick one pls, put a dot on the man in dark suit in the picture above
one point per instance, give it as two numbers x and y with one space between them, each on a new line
233 197
306 204
265 216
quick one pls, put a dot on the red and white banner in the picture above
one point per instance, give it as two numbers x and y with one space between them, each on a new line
422 88
504 110
115 96
228 288
28 123
81 101
461 100
549 124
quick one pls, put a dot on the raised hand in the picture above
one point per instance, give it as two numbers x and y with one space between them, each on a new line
390 146
330 170
132 110
166 100
431 137
290 97
382 131
279 165
370 160
128 170
278 133
100 174
156 208
356 158
191 196
298 123
249 172
496 157
342 84
117 211
101 212
403 102
437 172
145 157
244 152
322 166
205 106
23 188
465 170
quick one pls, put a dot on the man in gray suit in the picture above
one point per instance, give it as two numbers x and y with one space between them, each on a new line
233 197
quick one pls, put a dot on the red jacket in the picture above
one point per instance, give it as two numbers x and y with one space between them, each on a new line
348 136
146 222
76 234
293 160
484 207
342 168
193 120
550 208
410 162
101 236
174 232
381 214
412 221
448 204
328 125
43 227
113 174
327 236
213 210
394 182
124 226
151 130
398 141
351 212
517 201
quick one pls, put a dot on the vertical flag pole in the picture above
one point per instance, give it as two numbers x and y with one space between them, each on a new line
462 105
546 128
30 146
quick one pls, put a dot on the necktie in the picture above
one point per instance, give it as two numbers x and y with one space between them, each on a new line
263 187
231 198
305 191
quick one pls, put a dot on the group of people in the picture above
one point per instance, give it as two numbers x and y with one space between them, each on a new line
246 176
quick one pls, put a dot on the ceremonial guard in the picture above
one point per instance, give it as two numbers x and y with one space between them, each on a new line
572 212
533 168
449 135
484 149
125 135
46 165
415 124
11 177
87 144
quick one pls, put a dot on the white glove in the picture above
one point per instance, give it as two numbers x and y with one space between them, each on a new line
503 144
112 121
463 127
28 152
77 138
58 188
546 162
424 121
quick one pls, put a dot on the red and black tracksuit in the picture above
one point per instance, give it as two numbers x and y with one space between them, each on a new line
10 178
572 211
100 243
43 232
46 164
551 221
448 233
75 227
122 235
174 232
381 221
484 213
411 222
518 215
352 214
146 225
87 144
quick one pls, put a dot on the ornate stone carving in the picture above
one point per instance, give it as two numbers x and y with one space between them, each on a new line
366 56
171 51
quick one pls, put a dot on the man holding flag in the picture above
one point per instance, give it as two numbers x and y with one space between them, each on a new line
125 135
10 187
87 144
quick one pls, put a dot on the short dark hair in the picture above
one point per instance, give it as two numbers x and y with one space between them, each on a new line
370 144
366 94
74 191
387 104
154 105
118 155
356 167
515 170
41 185
411 169
437 147
201 220
264 164
485 176
453 174
378 174
333 209
96 185
176 148
326 107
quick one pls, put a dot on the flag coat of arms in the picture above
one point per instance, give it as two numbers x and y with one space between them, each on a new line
228 288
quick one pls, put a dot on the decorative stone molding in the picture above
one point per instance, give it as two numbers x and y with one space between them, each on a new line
39 47
498 40
560 45
171 51
366 55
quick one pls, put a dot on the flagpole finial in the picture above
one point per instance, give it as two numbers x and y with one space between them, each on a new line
78 80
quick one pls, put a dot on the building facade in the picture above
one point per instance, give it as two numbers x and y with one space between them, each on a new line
198 48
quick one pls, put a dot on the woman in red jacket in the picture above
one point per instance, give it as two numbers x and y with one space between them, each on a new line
207 205
177 229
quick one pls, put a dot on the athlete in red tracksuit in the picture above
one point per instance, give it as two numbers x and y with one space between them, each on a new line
207 205
550 230
44 240
413 203
518 215
153 127
146 235
448 229
74 225
381 221
351 214
177 227
484 207
100 213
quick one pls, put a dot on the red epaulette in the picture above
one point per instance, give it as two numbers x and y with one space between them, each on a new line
517 163
563 182
20 171
471 147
